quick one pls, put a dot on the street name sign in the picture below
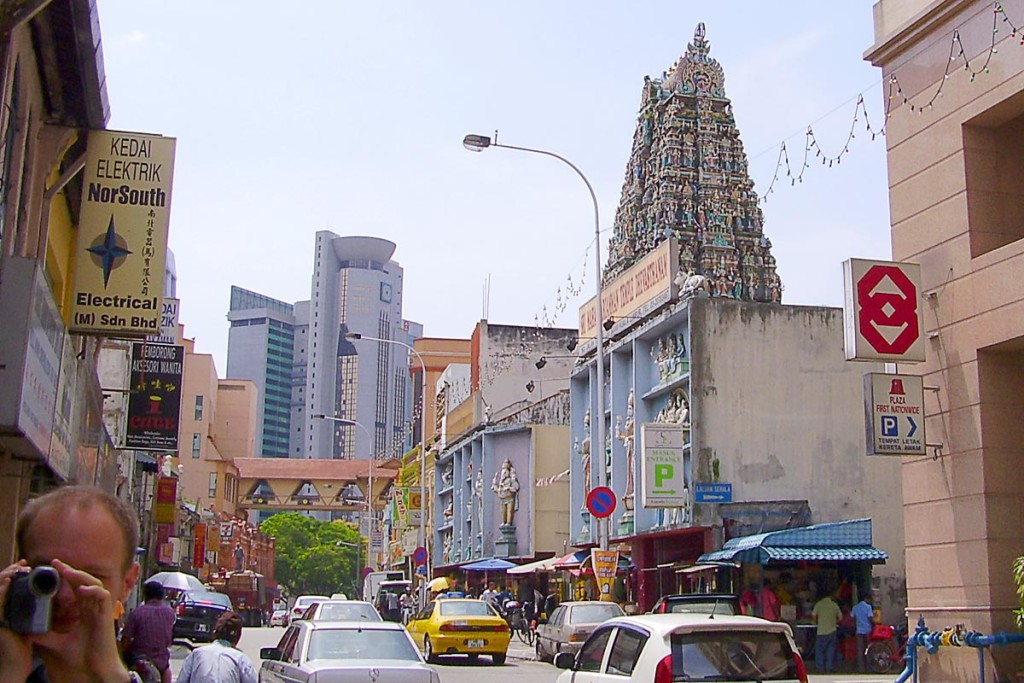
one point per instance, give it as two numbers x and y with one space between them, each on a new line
712 493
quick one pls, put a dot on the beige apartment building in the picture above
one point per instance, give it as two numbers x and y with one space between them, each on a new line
953 78
218 424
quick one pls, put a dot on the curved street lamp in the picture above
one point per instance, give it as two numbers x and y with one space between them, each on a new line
478 143
356 336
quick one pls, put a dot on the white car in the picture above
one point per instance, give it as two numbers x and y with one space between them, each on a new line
662 648
301 603
279 618
345 652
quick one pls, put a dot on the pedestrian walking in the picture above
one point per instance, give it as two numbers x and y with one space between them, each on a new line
826 615
149 629
221 661
864 615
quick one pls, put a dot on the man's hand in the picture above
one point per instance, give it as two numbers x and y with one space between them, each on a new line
96 611
15 649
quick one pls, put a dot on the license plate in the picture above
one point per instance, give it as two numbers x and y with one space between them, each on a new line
478 642
202 628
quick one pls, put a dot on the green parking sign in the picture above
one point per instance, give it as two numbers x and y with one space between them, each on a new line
663 474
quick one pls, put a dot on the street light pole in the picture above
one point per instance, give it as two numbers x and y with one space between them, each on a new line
478 143
359 575
369 476
423 449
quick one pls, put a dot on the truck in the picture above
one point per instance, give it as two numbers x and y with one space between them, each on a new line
249 594
372 581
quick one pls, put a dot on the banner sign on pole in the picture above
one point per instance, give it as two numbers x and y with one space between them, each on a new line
605 563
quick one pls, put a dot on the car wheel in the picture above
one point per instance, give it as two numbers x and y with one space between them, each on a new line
498 659
429 651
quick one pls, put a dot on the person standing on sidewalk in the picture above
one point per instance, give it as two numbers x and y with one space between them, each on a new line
864 614
826 615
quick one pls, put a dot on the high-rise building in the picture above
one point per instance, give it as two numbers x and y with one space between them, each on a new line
304 364
261 345
357 288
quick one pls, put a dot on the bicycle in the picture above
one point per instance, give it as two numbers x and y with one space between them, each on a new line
519 622
887 649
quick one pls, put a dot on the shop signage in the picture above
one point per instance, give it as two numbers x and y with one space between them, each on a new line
155 398
166 500
894 408
168 323
882 316
605 564
199 546
639 290
663 475
122 234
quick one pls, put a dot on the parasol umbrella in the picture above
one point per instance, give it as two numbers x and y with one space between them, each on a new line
439 584
179 581
493 564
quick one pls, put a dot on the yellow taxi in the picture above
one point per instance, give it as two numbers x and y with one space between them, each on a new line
455 626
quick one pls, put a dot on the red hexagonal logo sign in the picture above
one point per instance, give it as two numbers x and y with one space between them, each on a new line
887 309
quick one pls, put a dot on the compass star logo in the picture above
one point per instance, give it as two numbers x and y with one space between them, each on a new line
109 251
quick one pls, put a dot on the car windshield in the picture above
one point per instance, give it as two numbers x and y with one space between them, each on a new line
594 614
466 608
351 643
347 612
218 599
733 656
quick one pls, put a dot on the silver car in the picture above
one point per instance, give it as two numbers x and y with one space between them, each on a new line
344 651
341 610
570 625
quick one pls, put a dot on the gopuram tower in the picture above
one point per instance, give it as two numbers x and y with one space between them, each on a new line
687 179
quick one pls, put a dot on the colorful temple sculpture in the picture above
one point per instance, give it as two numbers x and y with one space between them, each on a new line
687 179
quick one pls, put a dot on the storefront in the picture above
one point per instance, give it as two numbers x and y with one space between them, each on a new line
798 566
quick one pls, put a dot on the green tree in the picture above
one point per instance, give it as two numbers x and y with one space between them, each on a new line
313 556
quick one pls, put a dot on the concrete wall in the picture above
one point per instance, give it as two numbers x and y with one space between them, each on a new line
955 194
774 401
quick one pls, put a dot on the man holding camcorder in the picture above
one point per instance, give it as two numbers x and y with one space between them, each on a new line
77 546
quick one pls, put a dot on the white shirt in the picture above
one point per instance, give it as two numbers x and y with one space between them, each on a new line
217 663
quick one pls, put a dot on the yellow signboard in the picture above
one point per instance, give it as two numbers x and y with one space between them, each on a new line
649 279
122 233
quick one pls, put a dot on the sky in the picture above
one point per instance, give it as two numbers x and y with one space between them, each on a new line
349 116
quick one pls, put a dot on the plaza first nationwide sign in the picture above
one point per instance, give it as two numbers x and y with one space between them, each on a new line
882 316
895 414
122 234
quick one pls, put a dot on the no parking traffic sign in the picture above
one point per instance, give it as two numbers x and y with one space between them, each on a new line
601 502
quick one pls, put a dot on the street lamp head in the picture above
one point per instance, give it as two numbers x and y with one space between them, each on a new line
353 335
476 143
319 416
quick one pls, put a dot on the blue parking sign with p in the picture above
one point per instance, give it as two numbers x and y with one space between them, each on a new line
890 425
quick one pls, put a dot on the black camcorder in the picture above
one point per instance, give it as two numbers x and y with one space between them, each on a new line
29 605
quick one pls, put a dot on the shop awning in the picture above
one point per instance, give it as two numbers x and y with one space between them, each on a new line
572 560
538 566
829 542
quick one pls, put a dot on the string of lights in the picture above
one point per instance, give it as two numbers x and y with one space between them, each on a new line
981 64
